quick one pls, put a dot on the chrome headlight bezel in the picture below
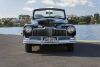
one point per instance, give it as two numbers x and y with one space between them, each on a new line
71 29
28 29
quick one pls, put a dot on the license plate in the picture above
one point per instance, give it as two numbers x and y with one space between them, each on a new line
50 40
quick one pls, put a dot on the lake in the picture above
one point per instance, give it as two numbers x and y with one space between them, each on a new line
84 32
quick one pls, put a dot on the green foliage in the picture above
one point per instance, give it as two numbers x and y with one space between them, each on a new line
98 21
74 20
80 20
88 19
8 23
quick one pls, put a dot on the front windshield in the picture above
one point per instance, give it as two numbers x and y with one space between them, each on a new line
49 13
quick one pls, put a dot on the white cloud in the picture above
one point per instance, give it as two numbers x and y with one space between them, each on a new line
27 5
50 7
28 9
59 3
83 2
91 4
31 1
73 3
48 2
67 3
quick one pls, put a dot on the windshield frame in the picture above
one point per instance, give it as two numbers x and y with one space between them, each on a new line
56 9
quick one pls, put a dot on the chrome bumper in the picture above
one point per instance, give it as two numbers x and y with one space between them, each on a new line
42 41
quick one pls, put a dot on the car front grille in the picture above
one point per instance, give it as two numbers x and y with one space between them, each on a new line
49 32
59 32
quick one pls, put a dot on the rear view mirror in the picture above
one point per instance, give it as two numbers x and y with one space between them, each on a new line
49 12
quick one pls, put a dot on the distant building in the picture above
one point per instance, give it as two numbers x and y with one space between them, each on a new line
24 19
96 16
93 20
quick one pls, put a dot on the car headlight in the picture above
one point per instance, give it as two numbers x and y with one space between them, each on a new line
39 26
71 29
28 29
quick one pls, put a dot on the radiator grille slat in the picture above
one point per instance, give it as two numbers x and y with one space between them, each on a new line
59 33
52 32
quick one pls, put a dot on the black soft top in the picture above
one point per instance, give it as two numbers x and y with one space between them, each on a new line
49 9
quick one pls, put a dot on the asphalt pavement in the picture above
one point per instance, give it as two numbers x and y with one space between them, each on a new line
12 54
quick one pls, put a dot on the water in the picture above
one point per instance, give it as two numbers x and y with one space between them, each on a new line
88 32
11 30
84 32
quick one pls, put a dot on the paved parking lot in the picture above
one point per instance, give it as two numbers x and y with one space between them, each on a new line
12 54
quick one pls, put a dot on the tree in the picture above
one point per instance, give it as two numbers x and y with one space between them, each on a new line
88 19
74 20
98 21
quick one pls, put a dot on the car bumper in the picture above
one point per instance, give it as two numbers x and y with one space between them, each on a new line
42 41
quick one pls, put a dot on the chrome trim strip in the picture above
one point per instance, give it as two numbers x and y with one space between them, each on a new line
41 42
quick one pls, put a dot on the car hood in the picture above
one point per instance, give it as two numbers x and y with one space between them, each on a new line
56 21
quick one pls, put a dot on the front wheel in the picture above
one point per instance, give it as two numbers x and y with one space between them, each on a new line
28 48
70 47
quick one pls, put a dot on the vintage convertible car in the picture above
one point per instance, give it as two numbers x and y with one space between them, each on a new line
49 27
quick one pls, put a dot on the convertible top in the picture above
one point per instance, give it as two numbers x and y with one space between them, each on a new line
49 9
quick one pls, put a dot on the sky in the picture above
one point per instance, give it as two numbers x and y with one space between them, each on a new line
13 8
